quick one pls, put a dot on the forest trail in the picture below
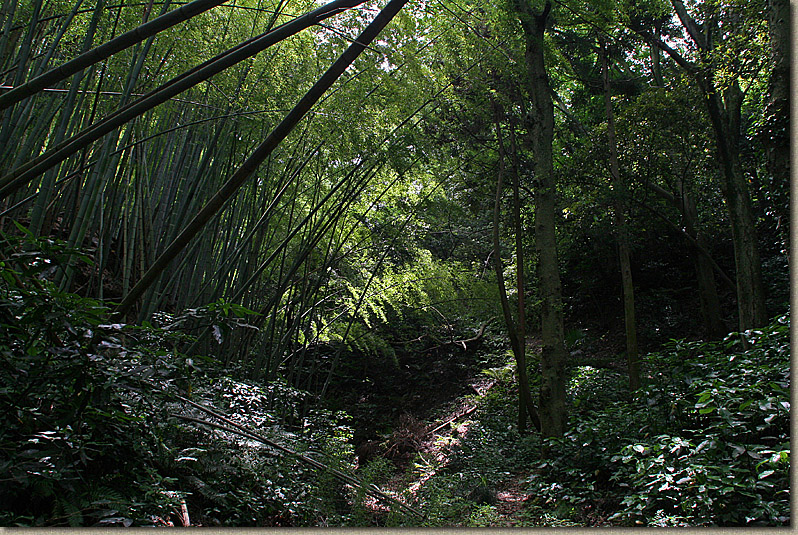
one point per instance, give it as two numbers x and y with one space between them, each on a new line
511 498
432 431
432 446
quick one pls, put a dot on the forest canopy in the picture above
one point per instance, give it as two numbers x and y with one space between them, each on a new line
397 263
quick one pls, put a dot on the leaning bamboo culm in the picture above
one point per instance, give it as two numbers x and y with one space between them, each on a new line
234 428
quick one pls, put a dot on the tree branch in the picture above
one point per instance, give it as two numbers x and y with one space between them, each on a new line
701 250
689 23
683 62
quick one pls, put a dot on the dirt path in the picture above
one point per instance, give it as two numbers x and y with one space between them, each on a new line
434 443
511 500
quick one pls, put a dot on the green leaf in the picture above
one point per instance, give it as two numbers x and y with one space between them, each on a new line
746 404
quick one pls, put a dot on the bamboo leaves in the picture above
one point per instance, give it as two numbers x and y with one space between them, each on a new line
21 175
97 54
262 152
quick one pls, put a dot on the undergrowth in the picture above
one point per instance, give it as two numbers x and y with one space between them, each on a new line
93 431
90 433
704 443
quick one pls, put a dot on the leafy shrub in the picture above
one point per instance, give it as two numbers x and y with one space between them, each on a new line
729 462
72 409
595 386
706 442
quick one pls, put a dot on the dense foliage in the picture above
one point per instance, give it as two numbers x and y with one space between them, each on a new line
89 435
707 441
333 223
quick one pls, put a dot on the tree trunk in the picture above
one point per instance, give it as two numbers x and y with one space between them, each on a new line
552 404
23 174
724 113
707 291
704 264
95 55
516 330
708 295
776 130
621 235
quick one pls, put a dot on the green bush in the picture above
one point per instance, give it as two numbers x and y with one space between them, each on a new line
726 460
463 491
71 405
706 442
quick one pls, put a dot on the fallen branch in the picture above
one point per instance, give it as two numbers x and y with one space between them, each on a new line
458 416
466 341
184 519
452 419
240 430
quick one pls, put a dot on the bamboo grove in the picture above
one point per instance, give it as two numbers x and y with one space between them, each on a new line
120 161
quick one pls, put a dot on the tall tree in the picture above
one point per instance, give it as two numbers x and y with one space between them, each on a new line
717 70
516 327
776 125
552 404
251 164
19 176
621 232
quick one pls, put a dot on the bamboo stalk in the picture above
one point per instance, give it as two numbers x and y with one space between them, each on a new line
262 152
13 180
106 50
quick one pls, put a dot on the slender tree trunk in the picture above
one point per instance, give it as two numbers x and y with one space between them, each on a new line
707 290
621 234
724 113
708 295
656 62
553 408
515 329
31 169
106 50
776 130
705 265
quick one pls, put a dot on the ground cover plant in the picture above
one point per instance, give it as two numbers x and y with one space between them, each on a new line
85 402
706 442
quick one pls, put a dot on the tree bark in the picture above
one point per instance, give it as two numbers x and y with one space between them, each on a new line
776 130
552 404
724 112
621 234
